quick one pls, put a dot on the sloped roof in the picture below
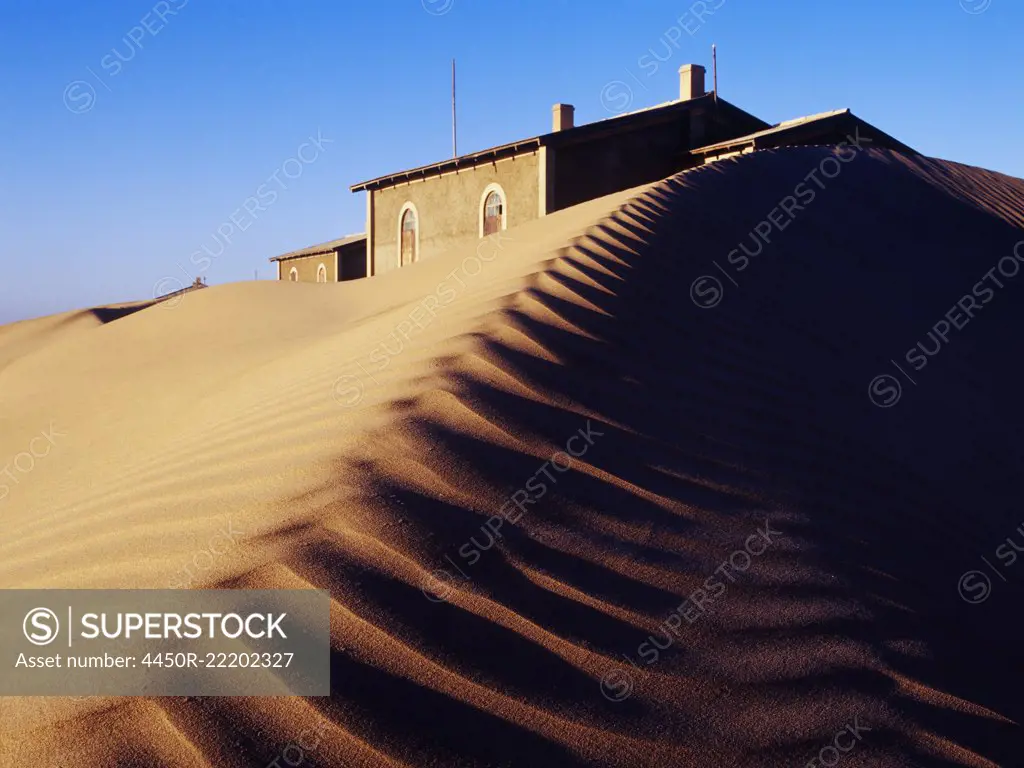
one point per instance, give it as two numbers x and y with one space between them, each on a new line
618 123
776 134
316 250
782 127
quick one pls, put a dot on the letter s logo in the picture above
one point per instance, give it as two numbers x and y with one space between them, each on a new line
706 292
41 626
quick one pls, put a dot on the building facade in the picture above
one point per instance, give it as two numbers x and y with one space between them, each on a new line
332 262
417 214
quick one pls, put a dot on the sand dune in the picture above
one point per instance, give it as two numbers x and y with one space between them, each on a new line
386 440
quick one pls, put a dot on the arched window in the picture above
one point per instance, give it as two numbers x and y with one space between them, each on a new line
492 210
294 275
409 245
321 274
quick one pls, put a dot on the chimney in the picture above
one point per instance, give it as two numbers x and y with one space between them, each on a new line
691 81
562 117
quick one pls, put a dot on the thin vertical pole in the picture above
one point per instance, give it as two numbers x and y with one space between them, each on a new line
455 132
714 67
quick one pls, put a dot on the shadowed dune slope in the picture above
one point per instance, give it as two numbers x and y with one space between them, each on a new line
754 542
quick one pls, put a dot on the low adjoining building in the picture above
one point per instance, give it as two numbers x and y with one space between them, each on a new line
332 262
825 128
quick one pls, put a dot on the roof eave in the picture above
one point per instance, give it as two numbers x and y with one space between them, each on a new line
291 256
321 250
453 164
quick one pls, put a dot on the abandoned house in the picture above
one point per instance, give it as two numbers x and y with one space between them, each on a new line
332 262
416 214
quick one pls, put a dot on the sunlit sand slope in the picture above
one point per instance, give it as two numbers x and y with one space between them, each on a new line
627 486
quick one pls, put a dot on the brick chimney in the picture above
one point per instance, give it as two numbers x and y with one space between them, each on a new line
691 81
562 117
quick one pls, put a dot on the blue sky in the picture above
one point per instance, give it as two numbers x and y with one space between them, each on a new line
133 130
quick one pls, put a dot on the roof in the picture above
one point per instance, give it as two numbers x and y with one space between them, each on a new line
618 123
810 125
328 247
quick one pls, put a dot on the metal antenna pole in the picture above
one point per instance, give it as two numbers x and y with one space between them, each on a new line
714 67
455 132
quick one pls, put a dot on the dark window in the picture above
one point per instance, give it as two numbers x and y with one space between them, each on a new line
408 237
493 209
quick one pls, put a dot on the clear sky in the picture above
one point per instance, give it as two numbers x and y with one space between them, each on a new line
132 131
